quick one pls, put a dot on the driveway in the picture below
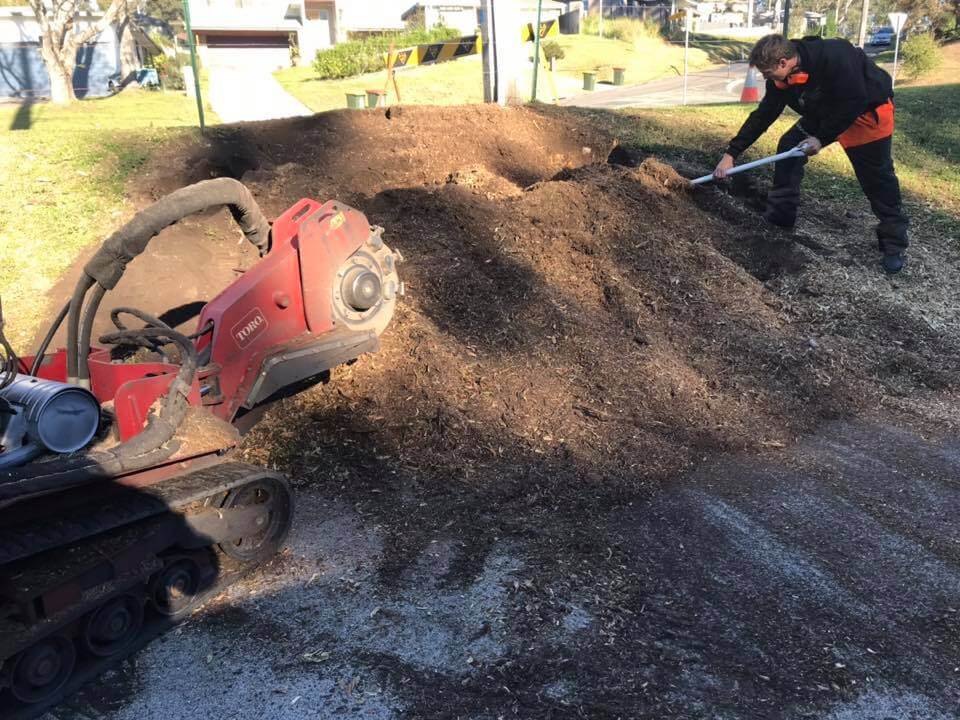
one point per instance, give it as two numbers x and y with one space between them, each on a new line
240 93
721 85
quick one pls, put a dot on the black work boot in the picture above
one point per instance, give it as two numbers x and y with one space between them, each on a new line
894 262
780 220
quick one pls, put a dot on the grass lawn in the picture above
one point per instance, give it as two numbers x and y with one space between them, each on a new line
62 175
461 82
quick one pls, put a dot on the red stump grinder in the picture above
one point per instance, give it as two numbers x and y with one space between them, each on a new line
121 505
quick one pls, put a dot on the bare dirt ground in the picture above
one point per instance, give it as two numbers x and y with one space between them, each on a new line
625 451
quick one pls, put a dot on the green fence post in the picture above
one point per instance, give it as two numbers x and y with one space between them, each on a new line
536 49
193 62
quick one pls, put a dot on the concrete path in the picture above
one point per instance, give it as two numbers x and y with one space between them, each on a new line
722 85
244 93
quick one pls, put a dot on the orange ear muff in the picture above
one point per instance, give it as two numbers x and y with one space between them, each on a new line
797 78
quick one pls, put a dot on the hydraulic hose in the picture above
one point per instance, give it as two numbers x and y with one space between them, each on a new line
107 266
162 427
73 324
86 329
48 338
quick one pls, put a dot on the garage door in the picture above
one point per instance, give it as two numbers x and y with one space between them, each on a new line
267 51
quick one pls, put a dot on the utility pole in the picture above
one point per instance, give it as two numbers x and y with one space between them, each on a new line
504 55
864 16
786 19
489 53
749 13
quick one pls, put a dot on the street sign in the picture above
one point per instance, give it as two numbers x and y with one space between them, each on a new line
897 20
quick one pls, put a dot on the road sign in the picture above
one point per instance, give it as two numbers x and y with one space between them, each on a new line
897 20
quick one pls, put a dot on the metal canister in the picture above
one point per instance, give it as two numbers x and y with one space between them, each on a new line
58 417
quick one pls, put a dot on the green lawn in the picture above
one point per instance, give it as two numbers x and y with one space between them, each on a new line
461 81
62 177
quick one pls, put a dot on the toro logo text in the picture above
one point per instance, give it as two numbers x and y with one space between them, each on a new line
249 328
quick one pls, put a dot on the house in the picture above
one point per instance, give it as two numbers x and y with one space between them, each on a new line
23 73
467 15
262 32
463 15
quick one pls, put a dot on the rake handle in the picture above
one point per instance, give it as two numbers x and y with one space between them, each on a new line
795 152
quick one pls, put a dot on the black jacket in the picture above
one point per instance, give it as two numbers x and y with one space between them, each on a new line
844 84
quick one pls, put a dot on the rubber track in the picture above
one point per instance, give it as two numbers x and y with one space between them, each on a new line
128 509
151 630
128 506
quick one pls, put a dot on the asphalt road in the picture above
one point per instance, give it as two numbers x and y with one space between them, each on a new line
722 85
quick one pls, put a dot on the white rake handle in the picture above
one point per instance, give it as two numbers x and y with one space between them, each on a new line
795 152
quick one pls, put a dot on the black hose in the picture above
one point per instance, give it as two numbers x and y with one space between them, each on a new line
86 330
147 318
163 426
110 261
9 363
73 325
48 338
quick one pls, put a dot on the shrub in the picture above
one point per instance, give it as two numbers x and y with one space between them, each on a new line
356 57
552 50
921 55
169 72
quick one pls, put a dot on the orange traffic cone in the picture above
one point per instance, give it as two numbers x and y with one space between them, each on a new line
751 90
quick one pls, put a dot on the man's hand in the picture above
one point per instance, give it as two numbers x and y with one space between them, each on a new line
724 166
811 146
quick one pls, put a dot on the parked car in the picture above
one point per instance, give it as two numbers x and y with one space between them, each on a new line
883 36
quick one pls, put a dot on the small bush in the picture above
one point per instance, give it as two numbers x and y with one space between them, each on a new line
552 50
921 55
356 57
169 72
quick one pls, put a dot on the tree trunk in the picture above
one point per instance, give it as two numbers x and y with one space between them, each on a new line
129 60
864 17
60 69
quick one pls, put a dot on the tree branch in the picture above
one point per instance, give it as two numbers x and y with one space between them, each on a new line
103 23
40 14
